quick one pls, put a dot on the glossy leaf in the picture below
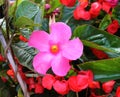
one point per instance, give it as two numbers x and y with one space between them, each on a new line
27 9
116 13
24 53
104 70
93 36
105 22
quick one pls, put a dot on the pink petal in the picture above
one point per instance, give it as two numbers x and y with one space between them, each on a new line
39 40
42 62
60 65
73 49
60 32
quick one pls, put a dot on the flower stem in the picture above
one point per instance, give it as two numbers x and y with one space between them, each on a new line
77 95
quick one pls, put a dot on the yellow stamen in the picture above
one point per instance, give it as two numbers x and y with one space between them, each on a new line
54 49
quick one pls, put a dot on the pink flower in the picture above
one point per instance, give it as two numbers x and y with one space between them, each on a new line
55 49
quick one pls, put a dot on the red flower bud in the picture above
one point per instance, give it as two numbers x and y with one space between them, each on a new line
10 72
48 81
118 92
61 87
78 83
22 38
39 88
68 3
2 58
108 86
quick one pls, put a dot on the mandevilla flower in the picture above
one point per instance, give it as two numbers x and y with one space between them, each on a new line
55 49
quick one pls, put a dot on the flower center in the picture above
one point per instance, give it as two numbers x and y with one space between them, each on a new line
54 49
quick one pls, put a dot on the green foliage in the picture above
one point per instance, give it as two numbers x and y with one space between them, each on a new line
104 70
105 22
1 2
99 39
24 53
116 13
27 9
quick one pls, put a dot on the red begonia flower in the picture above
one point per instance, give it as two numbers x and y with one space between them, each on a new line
68 3
118 92
95 9
78 83
113 27
39 88
61 87
108 86
48 81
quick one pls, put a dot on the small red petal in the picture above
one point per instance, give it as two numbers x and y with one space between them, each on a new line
118 92
48 81
39 88
61 87
108 86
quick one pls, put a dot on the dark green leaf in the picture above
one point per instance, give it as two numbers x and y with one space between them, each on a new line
71 94
4 92
104 70
116 13
27 9
92 37
105 22
24 53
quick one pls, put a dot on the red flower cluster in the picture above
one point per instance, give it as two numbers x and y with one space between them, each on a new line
107 88
35 85
76 83
92 11
113 27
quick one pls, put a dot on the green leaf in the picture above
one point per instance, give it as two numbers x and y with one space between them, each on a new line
116 13
23 21
27 9
54 4
1 2
24 53
105 22
4 91
104 70
92 36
